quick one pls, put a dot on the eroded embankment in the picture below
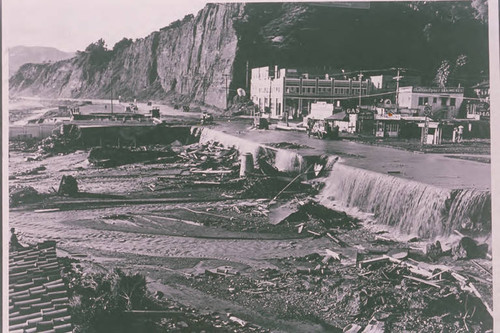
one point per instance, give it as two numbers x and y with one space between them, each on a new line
410 207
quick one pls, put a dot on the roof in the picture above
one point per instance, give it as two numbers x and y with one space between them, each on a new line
38 297
337 116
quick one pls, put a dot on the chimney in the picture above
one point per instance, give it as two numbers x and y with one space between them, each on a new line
327 77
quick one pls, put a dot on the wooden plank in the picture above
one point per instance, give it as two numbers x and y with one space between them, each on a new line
212 172
432 284
367 262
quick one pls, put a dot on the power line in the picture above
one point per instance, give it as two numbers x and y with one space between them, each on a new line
371 95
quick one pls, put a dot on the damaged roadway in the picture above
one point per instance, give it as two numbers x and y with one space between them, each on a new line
201 234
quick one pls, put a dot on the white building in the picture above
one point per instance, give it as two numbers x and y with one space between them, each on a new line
285 90
445 101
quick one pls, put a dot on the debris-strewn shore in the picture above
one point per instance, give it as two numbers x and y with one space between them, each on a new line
248 252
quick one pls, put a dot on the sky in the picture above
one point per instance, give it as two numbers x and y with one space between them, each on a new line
71 25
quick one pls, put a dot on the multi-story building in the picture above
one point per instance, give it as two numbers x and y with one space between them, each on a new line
442 103
281 91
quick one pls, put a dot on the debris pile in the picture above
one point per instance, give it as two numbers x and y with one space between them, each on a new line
112 156
22 194
30 172
120 301
357 291
64 139
313 215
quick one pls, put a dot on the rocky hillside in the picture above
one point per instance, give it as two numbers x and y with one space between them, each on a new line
20 55
191 59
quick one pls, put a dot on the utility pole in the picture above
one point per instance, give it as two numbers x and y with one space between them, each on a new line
360 76
397 78
226 76
246 80
111 100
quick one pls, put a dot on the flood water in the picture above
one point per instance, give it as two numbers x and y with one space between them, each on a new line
432 169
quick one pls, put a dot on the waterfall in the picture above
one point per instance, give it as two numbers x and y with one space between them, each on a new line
283 160
409 206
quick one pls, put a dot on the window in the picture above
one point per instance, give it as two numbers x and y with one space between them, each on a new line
444 101
423 100
392 127
452 102
434 100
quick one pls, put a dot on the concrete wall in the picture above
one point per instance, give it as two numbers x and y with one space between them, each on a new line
38 131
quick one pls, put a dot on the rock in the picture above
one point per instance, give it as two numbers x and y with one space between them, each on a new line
467 248
434 250
68 186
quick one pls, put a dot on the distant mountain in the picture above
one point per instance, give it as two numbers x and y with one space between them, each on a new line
20 55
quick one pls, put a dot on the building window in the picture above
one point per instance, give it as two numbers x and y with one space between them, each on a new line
392 127
423 100
452 102
444 101
434 100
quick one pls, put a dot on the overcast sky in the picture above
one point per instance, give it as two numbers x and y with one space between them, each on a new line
71 25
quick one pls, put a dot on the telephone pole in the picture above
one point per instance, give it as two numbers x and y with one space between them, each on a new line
360 76
111 100
397 78
226 76
246 80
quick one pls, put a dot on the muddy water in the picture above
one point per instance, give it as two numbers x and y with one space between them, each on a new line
415 194
62 227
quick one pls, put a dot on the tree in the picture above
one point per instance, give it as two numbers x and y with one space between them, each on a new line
480 10
447 70
121 45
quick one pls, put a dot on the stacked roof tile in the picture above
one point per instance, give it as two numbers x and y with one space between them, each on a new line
38 297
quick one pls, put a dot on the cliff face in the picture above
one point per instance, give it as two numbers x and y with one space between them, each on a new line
186 60
200 58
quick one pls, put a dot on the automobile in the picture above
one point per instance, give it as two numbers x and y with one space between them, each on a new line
206 118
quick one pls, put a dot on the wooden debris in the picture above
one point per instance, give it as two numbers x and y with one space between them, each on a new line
314 233
336 240
212 172
289 184
374 326
238 320
48 210
482 267
367 262
352 328
432 284
333 254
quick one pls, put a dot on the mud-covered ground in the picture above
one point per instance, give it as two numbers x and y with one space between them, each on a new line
202 237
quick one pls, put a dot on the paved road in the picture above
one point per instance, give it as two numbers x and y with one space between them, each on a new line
434 169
